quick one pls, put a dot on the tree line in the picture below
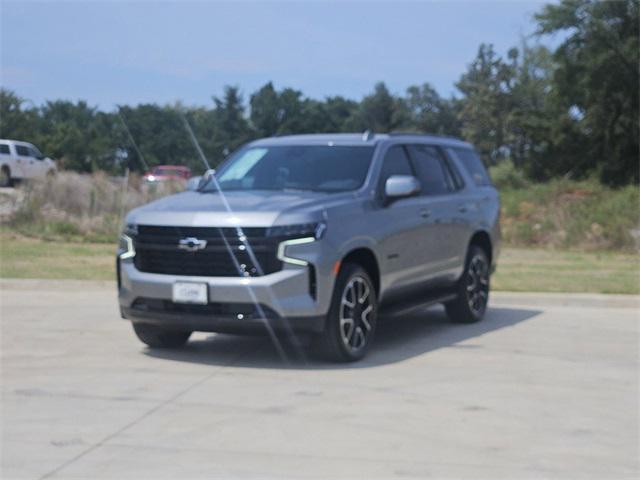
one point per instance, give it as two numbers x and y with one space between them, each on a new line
569 112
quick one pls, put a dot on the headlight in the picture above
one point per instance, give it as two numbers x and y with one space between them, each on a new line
297 235
130 229
304 230
125 243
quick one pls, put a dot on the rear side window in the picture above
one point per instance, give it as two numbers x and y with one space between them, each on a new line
22 151
458 182
4 149
395 162
433 178
471 161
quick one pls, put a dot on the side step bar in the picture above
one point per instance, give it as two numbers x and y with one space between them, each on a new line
404 308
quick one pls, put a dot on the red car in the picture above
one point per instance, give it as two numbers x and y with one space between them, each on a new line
164 173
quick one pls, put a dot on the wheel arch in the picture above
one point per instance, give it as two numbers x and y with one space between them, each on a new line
483 240
366 258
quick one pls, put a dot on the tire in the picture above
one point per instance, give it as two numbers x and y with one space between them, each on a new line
472 289
5 177
156 337
351 322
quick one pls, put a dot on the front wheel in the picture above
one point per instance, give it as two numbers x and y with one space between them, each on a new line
472 289
156 337
352 318
5 177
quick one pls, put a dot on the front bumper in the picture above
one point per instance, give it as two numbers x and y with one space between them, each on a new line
284 299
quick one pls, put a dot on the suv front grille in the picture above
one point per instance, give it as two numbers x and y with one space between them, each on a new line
157 251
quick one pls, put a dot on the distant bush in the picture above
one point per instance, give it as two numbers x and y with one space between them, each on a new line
73 206
560 214
569 214
505 175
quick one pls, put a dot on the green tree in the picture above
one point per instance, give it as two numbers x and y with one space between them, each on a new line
597 79
379 112
338 111
532 108
265 111
486 87
17 122
430 113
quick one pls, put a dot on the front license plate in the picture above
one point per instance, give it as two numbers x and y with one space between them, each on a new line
188 292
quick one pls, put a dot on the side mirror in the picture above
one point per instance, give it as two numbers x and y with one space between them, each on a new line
193 183
399 186
197 182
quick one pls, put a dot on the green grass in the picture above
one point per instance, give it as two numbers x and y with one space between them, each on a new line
533 270
518 269
22 257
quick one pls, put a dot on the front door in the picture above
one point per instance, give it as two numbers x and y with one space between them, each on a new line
398 226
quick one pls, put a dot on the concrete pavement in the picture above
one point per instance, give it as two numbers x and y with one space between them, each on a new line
543 387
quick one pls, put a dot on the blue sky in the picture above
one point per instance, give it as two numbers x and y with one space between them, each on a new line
122 52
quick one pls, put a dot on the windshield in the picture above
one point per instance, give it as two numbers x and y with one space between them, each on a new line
321 168
168 171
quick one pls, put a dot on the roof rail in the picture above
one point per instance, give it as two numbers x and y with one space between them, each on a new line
367 135
420 134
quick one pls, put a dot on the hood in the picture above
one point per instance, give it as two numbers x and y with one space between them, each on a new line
245 208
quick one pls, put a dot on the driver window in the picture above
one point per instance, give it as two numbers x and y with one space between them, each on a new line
395 162
35 154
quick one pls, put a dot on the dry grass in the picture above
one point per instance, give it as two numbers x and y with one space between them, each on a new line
76 207
564 214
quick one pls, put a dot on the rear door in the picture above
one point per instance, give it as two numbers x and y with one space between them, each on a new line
480 199
7 158
442 230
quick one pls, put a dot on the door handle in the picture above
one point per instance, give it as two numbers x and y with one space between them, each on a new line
424 213
462 209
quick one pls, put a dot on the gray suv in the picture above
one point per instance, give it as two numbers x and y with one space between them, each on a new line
318 234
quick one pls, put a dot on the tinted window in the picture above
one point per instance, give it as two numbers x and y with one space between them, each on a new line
4 148
321 168
22 151
434 179
458 182
474 166
34 152
396 162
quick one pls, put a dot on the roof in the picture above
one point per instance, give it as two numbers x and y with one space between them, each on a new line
172 167
356 139
17 142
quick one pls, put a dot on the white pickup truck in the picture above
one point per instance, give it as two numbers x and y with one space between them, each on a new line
22 160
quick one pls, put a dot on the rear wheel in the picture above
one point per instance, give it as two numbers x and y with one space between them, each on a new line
473 289
351 322
5 177
157 337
